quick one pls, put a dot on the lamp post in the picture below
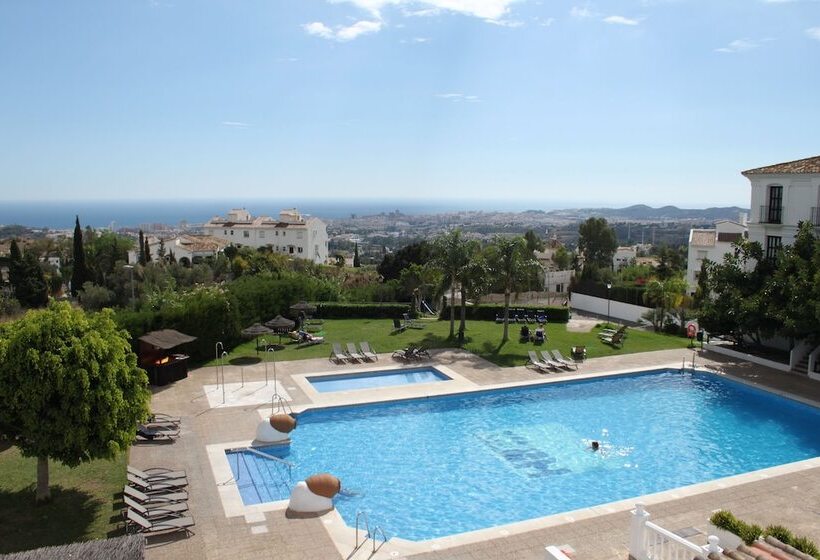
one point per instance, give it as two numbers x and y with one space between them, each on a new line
130 269
608 287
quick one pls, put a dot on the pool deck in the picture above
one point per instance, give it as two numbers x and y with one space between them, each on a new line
788 495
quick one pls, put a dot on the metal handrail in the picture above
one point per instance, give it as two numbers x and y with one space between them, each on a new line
277 403
376 531
360 514
256 488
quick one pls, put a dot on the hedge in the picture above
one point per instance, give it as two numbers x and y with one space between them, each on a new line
488 312
335 310
624 294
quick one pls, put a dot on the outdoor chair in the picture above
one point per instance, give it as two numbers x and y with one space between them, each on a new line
367 352
541 366
404 354
156 433
611 332
138 524
540 336
162 417
353 353
337 354
524 334
558 357
158 487
616 340
549 358
154 500
579 353
156 474
420 353
157 512
411 323
398 326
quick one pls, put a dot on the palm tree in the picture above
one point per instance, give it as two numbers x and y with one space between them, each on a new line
511 265
473 279
665 295
450 255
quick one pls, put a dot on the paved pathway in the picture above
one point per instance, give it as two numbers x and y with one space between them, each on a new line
792 499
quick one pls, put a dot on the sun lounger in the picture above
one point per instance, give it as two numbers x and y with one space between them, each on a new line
558 357
138 524
411 323
157 433
398 326
611 332
157 487
540 365
156 512
353 353
367 352
156 474
550 359
616 340
337 354
404 354
152 500
162 417
421 353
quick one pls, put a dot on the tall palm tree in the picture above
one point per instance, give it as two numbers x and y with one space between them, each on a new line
473 280
450 255
510 265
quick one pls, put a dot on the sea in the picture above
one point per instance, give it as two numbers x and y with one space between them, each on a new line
138 213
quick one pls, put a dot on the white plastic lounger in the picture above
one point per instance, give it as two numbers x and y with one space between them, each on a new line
553 362
337 354
367 352
556 354
154 500
541 366
353 353
138 524
172 509
156 474
157 487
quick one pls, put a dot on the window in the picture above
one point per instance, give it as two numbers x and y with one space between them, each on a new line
231 232
559 288
290 249
246 233
772 246
775 211
277 233
261 234
226 232
300 249
283 233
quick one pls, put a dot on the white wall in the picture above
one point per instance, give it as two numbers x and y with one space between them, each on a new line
801 193
617 310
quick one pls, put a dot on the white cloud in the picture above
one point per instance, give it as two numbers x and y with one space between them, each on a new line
459 97
544 22
505 22
621 20
341 32
483 9
738 46
814 33
235 124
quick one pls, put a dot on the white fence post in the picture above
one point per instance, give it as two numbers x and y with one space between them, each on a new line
637 533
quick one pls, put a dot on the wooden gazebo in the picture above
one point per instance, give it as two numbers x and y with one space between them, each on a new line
156 356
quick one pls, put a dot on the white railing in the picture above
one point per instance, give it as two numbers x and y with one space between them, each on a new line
648 541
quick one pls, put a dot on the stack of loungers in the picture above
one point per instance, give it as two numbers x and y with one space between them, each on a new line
156 502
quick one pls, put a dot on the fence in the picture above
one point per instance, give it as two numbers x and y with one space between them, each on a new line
603 307
648 541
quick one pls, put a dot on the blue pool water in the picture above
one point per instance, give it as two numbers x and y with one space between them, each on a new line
373 379
428 468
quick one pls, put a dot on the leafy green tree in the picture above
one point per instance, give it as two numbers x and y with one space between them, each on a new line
79 273
671 261
450 256
597 243
534 243
70 387
509 263
665 295
356 262
94 298
562 258
419 282
475 280
106 252
416 253
16 268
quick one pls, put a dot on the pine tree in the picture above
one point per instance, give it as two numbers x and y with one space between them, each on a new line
141 257
15 266
161 250
79 273
356 262
32 290
146 251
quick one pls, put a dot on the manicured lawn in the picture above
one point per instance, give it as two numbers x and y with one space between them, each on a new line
482 338
81 506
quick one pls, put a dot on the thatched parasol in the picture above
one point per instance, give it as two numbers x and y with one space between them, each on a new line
303 307
255 331
280 325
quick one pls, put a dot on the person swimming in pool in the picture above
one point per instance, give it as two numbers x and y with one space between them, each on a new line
595 445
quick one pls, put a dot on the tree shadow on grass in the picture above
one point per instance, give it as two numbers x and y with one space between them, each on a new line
66 518
245 360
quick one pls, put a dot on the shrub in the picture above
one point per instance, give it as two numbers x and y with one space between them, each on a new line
749 533
488 312
806 546
803 544
94 298
336 310
780 533
724 520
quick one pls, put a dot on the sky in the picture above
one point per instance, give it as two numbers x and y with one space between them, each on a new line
604 103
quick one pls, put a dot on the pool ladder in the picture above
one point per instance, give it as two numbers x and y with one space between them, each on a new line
368 534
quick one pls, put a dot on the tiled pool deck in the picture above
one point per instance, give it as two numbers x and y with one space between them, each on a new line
788 495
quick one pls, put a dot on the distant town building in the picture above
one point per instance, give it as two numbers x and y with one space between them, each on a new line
624 256
291 234
783 195
711 244
191 247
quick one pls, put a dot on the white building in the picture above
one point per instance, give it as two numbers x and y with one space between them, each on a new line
783 195
292 234
191 247
711 244
623 257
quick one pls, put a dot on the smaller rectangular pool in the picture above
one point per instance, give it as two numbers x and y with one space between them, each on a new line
374 379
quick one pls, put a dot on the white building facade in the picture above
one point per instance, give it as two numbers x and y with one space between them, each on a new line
783 195
711 244
292 234
623 257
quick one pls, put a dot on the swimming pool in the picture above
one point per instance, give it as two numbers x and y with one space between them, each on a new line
374 379
433 467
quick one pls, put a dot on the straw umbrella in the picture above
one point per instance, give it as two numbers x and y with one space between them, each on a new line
280 325
255 331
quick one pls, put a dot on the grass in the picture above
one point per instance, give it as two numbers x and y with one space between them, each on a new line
482 338
81 506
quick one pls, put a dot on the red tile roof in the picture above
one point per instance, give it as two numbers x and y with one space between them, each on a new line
808 165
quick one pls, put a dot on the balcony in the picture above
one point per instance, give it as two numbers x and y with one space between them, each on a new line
771 215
